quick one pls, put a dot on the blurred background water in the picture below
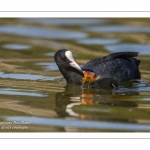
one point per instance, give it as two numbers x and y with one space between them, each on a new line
33 93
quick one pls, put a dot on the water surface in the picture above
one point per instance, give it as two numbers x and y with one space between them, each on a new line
65 21
21 92
34 96
15 46
41 32
98 41
118 29
143 49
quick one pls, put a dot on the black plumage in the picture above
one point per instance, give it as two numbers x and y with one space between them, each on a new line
120 66
116 67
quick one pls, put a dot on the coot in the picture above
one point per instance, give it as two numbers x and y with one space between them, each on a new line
116 67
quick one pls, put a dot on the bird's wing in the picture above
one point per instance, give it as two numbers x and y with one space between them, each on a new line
121 55
109 57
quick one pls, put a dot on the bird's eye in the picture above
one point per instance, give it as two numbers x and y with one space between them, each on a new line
64 58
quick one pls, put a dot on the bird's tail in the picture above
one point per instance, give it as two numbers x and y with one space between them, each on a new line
137 72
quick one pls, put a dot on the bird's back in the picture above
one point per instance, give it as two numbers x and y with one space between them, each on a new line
120 66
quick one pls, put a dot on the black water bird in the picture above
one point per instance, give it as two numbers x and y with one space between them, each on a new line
110 69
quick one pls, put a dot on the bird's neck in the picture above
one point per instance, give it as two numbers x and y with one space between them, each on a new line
71 75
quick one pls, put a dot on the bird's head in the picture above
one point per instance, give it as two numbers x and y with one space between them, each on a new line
65 59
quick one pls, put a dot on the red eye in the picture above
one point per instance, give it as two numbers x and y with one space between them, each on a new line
64 59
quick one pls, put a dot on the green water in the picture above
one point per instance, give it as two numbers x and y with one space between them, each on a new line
33 94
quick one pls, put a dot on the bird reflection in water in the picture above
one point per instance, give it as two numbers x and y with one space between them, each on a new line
75 95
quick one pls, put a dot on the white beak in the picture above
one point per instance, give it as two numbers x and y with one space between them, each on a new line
72 63
75 65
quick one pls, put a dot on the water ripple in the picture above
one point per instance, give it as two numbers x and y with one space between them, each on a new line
26 76
41 32
98 41
16 46
143 49
118 29
81 123
65 21
48 66
21 92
